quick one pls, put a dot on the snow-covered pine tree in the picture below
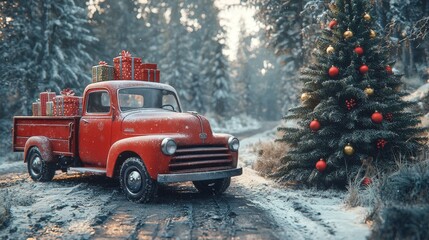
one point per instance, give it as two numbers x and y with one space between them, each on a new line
268 94
177 65
116 26
199 15
410 35
208 34
221 101
43 47
255 77
283 29
151 37
243 81
352 109
10 72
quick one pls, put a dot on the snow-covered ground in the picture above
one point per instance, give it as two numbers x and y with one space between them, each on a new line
419 94
302 214
235 124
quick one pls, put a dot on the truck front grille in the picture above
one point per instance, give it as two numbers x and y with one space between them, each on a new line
189 159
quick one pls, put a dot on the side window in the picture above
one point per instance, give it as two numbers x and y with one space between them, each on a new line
98 102
169 100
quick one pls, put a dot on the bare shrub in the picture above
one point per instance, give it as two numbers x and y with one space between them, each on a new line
269 155
399 202
402 222
409 185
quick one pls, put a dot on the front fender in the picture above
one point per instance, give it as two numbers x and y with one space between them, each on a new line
148 148
44 146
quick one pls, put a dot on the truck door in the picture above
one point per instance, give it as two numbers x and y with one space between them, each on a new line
95 128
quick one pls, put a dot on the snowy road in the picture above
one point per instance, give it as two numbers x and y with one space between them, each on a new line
92 207
81 207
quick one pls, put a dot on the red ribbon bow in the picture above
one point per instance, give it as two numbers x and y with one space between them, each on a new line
125 53
103 63
67 92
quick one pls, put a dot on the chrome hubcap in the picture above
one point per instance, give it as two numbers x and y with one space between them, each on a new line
134 181
36 165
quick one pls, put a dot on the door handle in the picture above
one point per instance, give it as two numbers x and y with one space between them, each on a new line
85 121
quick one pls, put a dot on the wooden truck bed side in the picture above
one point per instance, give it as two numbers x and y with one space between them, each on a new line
61 131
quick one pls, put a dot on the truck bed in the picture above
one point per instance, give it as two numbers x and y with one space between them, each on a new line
61 131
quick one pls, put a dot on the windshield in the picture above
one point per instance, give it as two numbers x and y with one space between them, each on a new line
147 98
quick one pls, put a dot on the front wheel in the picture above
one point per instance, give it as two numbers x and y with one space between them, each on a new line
216 186
136 182
38 168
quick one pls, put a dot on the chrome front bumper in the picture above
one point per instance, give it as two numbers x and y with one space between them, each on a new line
184 177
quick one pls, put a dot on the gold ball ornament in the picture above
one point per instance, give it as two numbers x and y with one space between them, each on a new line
369 91
333 7
367 17
372 33
305 96
348 34
330 50
349 150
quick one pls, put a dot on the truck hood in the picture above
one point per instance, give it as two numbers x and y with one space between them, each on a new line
149 122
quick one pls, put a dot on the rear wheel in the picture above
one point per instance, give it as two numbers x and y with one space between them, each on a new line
216 186
136 182
38 168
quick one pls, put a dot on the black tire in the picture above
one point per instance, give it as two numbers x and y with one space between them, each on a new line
136 182
216 186
38 168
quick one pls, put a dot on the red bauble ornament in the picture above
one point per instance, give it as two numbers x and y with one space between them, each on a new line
314 125
363 69
333 71
359 50
366 181
332 24
389 69
377 117
321 165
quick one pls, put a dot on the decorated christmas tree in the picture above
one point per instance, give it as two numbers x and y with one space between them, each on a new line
352 118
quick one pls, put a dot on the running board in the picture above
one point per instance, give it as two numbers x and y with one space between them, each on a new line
93 170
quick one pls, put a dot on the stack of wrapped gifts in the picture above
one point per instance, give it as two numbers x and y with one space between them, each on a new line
126 67
50 104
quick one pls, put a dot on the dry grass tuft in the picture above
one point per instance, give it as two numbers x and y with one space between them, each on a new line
360 195
269 155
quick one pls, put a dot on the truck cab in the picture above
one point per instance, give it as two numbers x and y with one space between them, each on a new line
133 130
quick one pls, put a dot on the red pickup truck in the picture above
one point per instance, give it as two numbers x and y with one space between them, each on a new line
133 130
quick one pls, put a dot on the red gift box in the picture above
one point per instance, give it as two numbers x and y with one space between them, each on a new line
44 98
150 72
127 67
67 104
151 75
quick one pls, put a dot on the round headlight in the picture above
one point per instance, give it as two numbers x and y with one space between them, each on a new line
168 146
233 144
